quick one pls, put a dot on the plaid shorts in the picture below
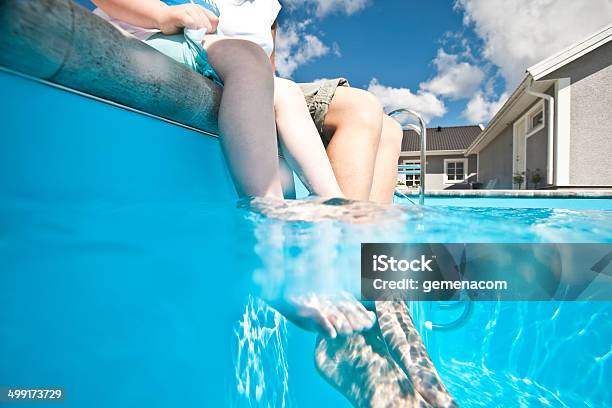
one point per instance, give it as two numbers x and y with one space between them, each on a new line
318 98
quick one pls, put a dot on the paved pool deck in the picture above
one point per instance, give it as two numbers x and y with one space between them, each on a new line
564 193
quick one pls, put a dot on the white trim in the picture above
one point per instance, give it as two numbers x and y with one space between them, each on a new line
539 106
465 171
434 153
519 122
571 53
484 138
538 71
478 166
562 144
550 131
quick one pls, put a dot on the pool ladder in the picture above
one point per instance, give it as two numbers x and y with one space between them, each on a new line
421 131
455 323
454 305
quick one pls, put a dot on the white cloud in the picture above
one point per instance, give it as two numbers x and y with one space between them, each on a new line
296 44
454 79
295 47
426 103
519 33
481 109
325 7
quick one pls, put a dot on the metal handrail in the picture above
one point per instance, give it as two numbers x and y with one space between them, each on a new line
412 169
453 324
421 131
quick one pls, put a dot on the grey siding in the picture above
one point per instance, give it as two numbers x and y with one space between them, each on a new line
496 158
590 117
435 171
472 167
495 161
536 156
537 148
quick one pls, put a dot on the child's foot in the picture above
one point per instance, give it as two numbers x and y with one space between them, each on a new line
342 315
406 347
360 367
317 209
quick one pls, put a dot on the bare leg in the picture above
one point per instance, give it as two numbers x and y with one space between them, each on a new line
300 141
360 368
385 170
406 346
386 366
287 179
246 115
355 118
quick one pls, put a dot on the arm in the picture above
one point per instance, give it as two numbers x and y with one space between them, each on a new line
156 14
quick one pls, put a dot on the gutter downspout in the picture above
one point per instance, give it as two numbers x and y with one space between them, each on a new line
550 128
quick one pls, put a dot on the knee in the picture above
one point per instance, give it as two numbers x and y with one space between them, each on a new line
287 92
365 110
392 134
243 57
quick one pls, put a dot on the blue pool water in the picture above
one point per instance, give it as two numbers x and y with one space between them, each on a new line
153 304
129 276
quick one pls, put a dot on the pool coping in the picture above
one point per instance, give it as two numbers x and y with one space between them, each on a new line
565 193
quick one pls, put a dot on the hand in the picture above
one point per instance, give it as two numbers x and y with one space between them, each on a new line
173 19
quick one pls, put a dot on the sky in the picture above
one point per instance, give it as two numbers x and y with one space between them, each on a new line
455 61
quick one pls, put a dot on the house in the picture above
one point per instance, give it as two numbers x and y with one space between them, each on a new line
556 125
448 167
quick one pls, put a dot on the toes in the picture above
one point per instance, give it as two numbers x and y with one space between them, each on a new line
319 320
357 316
325 326
339 320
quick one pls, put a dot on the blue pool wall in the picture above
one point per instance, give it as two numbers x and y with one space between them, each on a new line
60 146
107 287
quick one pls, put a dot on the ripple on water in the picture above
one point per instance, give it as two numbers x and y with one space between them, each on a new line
512 354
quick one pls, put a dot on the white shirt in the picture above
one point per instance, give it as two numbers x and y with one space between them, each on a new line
249 20
245 19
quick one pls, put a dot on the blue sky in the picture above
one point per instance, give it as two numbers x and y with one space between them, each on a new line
455 61
394 43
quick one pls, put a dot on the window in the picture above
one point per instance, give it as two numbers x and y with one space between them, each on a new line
535 119
412 179
455 170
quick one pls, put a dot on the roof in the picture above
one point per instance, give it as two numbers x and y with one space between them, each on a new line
571 53
451 138
519 100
